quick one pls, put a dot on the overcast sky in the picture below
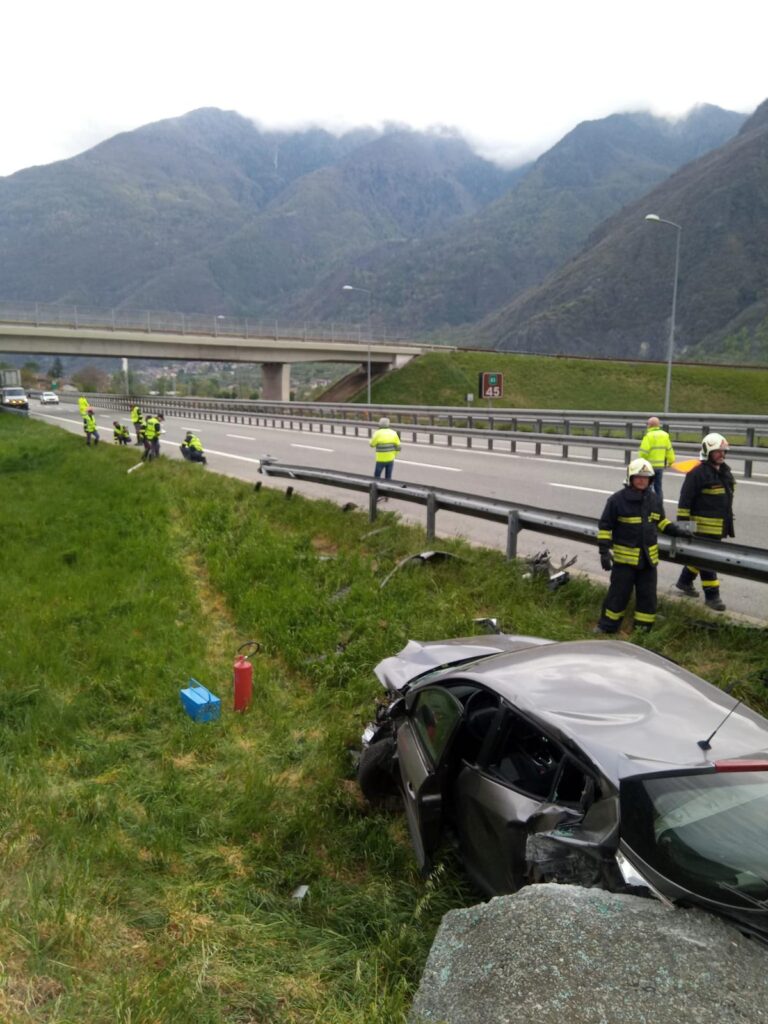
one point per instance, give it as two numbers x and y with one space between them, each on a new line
513 75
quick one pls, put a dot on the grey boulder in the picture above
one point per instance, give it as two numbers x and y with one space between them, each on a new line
562 954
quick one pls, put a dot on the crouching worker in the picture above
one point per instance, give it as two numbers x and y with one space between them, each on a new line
120 433
89 426
628 525
192 449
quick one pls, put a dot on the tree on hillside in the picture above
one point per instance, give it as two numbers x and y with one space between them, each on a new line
56 370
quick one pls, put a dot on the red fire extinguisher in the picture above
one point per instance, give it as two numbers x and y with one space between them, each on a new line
243 675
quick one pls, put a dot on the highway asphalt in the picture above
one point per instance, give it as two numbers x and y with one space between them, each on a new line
574 485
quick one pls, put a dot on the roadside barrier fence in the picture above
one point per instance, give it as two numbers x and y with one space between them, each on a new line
570 432
731 559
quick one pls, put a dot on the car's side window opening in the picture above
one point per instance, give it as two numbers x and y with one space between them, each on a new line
525 758
573 786
435 715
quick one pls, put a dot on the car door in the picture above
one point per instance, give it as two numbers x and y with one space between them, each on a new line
499 801
424 743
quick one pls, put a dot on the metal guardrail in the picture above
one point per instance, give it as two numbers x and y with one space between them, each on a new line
308 415
571 420
732 559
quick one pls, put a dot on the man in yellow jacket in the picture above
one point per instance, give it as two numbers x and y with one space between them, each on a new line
387 445
656 448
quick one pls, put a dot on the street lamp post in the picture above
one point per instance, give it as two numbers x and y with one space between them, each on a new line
671 345
354 288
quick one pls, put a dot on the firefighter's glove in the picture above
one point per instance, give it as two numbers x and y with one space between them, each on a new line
606 559
686 529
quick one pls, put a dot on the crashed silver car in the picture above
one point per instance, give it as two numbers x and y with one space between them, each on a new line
591 762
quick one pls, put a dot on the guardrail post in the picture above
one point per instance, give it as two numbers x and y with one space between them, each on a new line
750 444
431 515
537 446
513 528
373 497
450 427
566 430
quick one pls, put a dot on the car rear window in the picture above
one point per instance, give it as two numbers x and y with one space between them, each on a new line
707 832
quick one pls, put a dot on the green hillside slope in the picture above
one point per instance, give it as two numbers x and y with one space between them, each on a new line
541 382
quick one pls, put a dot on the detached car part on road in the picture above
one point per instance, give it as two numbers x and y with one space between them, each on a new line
584 762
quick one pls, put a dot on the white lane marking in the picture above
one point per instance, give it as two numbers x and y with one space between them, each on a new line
428 465
604 463
595 490
227 455
312 447
574 487
241 437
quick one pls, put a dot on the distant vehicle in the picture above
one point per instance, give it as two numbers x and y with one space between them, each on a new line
10 378
589 762
49 398
14 398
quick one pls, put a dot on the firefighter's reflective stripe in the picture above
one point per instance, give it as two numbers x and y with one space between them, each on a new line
604 535
631 556
630 519
626 556
616 616
709 525
708 584
713 490
644 617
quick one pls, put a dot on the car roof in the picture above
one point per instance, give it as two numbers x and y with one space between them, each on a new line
631 711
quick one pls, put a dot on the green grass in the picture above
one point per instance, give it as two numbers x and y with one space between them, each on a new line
544 382
148 862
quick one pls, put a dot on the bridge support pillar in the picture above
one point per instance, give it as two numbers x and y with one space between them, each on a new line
276 381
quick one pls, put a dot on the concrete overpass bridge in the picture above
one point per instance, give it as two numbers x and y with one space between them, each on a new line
72 331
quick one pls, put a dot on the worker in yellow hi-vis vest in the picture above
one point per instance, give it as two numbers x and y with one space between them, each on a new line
656 448
387 445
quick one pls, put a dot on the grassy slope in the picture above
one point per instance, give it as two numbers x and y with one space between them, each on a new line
532 382
149 861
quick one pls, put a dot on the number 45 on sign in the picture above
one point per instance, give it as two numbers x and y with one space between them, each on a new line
490 385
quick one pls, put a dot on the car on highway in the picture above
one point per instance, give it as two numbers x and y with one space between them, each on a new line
590 762
49 398
14 398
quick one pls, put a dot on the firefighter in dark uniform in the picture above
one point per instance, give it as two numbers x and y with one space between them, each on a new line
629 525
706 498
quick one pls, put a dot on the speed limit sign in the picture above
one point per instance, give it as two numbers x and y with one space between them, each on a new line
491 385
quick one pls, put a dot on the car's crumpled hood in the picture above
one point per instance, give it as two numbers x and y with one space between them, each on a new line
418 657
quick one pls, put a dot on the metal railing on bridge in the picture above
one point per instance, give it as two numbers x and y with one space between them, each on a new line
732 559
163 322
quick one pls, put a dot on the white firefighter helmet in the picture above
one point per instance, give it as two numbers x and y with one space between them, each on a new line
712 443
639 467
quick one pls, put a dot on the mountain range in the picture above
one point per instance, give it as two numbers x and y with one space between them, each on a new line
209 213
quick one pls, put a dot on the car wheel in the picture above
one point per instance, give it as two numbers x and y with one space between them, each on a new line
375 770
